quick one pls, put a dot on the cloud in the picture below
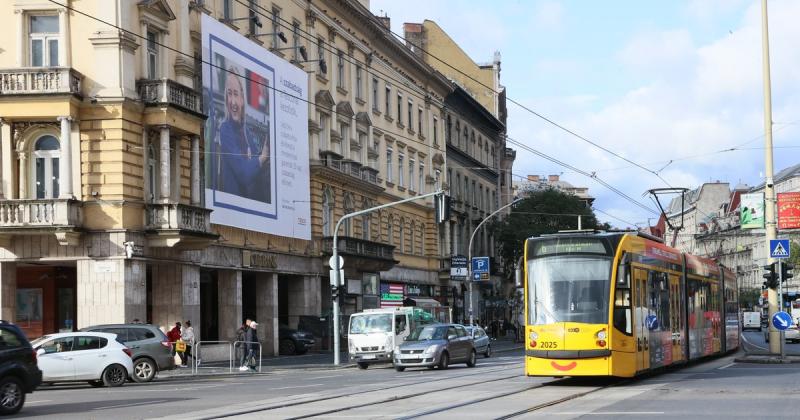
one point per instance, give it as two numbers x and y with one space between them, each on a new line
548 16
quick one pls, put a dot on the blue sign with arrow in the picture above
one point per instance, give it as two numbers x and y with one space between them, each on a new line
781 320
652 322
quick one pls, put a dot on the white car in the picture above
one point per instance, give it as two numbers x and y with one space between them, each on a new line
83 356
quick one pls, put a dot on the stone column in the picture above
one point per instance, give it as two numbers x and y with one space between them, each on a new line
20 19
164 165
195 200
304 298
64 45
143 31
113 294
23 174
176 295
5 136
229 292
190 295
8 291
65 166
267 311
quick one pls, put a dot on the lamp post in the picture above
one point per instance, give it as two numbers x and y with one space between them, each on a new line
469 254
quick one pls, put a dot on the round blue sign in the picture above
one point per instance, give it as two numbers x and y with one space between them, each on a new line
652 322
781 320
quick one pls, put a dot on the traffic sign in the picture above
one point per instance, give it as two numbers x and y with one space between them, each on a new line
480 265
332 261
779 248
781 320
458 267
652 322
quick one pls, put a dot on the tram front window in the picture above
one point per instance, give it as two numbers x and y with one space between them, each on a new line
568 289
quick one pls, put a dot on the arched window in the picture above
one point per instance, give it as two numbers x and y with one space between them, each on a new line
348 208
390 231
421 235
327 212
402 236
411 243
46 152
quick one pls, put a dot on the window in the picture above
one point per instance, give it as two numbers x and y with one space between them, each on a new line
411 237
388 100
458 186
400 170
390 231
44 37
327 212
374 94
276 26
88 343
466 140
139 334
152 55
344 145
251 14
448 129
296 40
399 108
421 185
419 120
359 82
389 164
361 154
324 132
46 153
410 114
9 340
402 236
340 70
320 52
227 12
365 219
437 180
411 163
58 345
435 131
348 208
152 171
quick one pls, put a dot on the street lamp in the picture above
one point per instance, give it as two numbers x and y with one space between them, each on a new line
469 253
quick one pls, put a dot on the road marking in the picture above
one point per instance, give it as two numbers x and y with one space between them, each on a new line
726 366
37 402
130 405
744 338
323 377
605 413
297 386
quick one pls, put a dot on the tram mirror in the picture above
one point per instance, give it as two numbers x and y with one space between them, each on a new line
518 276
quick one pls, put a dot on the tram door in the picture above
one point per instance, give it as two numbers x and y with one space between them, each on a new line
640 320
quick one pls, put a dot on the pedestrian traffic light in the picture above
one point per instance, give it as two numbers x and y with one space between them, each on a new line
771 276
442 206
786 271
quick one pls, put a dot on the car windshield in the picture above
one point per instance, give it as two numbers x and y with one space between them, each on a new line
428 333
568 288
370 323
40 340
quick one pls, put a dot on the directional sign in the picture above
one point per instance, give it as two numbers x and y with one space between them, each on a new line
779 248
458 267
781 320
652 322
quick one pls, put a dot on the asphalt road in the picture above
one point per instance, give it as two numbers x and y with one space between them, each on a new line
754 343
496 388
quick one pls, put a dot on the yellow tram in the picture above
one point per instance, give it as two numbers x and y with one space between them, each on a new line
620 304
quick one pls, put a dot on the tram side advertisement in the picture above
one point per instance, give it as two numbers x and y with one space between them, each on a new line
256 135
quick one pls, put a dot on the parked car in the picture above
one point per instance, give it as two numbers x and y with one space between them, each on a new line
150 346
791 334
435 345
481 340
19 371
95 357
293 341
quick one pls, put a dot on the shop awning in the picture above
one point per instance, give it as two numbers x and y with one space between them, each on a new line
425 302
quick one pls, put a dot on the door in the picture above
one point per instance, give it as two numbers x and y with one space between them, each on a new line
46 163
640 313
89 356
57 363
464 341
454 344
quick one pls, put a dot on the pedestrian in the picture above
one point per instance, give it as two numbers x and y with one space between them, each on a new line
173 336
241 336
187 335
251 343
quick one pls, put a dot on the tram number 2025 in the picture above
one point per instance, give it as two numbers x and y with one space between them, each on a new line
548 344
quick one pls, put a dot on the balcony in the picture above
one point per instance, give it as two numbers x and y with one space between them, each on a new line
362 254
60 217
160 92
349 167
40 80
178 226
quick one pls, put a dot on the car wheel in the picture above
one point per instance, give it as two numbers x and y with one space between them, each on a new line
444 362
12 396
144 370
362 365
472 359
488 352
96 384
399 368
287 347
114 375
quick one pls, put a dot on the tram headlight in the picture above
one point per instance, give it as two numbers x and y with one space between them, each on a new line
533 335
601 335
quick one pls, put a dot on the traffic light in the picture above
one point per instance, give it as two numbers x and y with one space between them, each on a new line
771 276
786 271
442 206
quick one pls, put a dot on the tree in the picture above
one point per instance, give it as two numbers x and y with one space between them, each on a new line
545 211
748 298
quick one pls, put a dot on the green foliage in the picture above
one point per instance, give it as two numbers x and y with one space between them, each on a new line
748 298
794 257
546 211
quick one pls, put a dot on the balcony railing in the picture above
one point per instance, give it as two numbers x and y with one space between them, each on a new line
169 92
40 80
41 213
359 247
350 167
178 217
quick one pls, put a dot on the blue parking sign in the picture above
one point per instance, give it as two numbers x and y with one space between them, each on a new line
480 264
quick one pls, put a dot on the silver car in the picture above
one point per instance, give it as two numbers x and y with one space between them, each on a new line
481 340
151 349
435 345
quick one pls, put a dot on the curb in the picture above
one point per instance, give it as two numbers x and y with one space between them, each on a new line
774 360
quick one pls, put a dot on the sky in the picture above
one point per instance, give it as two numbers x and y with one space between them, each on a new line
671 86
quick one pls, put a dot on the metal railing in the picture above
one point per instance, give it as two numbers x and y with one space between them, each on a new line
197 360
235 343
166 91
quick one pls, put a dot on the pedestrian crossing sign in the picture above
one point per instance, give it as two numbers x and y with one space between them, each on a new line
779 248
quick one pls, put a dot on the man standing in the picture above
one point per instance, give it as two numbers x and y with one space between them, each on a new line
241 337
251 341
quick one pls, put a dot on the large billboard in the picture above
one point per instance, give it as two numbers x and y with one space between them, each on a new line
256 136
789 210
751 215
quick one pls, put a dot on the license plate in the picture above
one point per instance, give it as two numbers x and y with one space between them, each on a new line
368 356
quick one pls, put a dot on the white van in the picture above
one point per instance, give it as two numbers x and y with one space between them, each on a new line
751 320
374 333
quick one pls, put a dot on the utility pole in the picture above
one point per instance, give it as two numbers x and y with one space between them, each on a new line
775 343
337 281
469 252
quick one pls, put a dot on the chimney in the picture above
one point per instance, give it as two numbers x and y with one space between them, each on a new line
385 21
533 178
415 37
552 178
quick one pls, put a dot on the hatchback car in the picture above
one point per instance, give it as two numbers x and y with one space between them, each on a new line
435 345
19 373
293 341
97 358
481 340
150 346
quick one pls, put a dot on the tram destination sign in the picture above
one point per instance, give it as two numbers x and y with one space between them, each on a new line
568 246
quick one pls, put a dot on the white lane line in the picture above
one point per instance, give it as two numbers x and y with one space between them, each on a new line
323 377
130 405
726 366
297 386
744 338
37 402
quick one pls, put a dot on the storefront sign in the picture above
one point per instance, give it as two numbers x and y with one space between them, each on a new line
789 210
391 295
259 260
105 266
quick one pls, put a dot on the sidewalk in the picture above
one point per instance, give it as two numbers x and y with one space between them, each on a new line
759 353
308 362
